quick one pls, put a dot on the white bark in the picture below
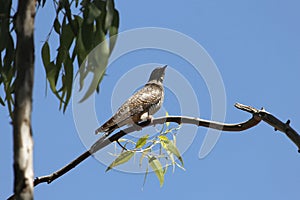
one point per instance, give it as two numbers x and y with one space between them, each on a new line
23 142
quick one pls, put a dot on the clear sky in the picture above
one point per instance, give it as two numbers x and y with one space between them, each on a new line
255 46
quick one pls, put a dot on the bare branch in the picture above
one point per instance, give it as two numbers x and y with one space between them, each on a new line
275 122
103 141
257 116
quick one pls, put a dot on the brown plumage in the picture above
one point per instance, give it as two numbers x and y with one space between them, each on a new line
140 106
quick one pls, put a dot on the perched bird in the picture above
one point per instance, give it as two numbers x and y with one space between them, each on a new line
140 106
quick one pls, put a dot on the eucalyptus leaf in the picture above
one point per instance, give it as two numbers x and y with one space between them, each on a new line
2 102
57 26
170 146
46 54
157 168
142 141
122 158
68 67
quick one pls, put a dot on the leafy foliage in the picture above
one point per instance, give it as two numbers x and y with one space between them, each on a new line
157 150
78 35
80 27
7 54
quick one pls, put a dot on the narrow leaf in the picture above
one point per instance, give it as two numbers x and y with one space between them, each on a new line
67 36
57 26
68 66
170 146
173 149
2 102
144 154
113 30
142 141
46 54
157 168
122 158
145 177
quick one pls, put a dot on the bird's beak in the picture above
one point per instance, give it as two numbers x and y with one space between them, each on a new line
164 67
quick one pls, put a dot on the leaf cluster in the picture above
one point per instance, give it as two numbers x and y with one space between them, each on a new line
159 151
78 35
7 55
79 26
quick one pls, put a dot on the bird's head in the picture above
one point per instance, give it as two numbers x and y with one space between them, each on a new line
157 75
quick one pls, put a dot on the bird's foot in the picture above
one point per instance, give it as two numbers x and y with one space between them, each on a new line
149 119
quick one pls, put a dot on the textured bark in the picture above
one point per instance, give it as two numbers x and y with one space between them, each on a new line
23 142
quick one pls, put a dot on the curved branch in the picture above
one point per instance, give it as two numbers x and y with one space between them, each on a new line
257 116
103 141
273 121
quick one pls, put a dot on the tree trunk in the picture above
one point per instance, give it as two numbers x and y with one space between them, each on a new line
23 142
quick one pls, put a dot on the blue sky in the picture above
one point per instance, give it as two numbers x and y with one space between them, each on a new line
256 47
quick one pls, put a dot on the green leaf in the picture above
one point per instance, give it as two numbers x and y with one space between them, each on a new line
97 62
46 54
67 36
93 13
3 37
109 14
68 66
57 26
2 102
142 141
157 168
144 154
145 177
164 140
170 146
52 72
122 158
113 30
87 35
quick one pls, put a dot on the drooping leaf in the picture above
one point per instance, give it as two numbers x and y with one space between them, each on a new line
113 30
46 54
2 102
109 14
170 146
57 26
3 37
142 141
144 154
51 73
68 66
97 62
145 176
67 36
157 168
87 35
122 158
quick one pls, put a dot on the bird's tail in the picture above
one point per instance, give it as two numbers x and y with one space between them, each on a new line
107 127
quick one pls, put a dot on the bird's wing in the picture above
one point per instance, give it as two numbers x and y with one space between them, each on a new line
136 105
